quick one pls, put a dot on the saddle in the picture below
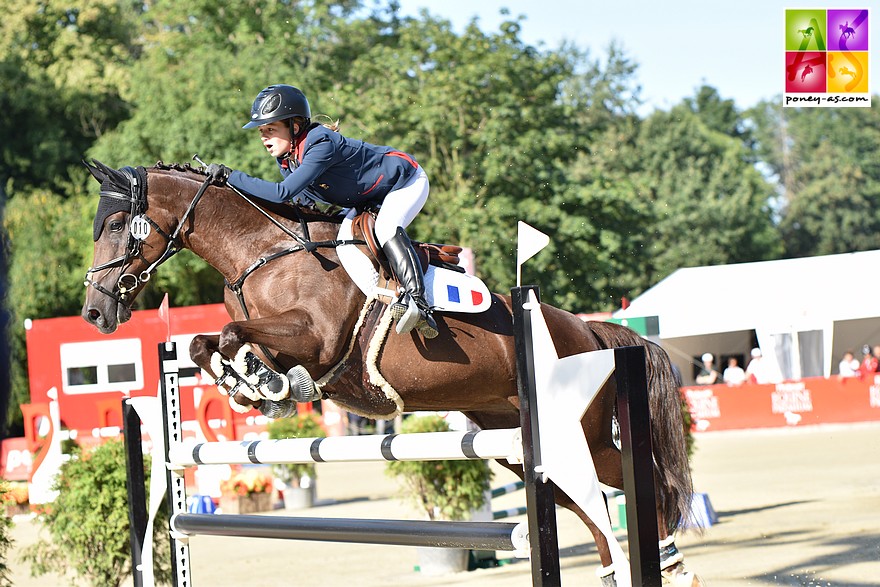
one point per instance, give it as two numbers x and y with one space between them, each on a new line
446 256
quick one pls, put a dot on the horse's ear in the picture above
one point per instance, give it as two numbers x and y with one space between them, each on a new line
96 172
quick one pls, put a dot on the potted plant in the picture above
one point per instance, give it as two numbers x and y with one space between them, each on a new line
246 492
298 478
441 490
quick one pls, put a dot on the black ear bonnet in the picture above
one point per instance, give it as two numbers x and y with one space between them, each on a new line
122 190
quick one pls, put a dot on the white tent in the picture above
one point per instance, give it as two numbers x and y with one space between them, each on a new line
803 313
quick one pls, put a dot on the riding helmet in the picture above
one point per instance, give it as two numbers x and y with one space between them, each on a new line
278 102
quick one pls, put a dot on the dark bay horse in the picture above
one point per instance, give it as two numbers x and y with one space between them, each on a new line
298 306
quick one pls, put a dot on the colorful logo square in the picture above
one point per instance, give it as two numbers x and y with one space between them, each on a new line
805 72
805 30
847 30
848 72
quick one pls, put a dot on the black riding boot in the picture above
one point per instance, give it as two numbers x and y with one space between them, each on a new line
410 310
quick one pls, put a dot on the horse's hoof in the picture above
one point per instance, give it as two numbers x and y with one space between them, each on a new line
237 407
606 575
677 576
276 389
274 410
302 387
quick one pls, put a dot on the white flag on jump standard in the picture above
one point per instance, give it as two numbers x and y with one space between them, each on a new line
530 241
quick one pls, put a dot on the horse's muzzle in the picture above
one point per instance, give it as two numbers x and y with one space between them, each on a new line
106 321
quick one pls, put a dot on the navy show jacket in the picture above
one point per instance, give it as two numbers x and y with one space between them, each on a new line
334 169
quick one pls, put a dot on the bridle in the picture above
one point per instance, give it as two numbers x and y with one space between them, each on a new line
137 197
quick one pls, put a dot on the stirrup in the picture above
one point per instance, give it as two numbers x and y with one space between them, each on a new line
406 313
409 316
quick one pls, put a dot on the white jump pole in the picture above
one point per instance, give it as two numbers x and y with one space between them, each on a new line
428 446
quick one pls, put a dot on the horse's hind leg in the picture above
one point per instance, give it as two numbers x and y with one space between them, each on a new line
606 571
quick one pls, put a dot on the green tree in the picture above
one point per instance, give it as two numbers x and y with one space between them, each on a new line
711 204
63 67
828 178
48 259
88 522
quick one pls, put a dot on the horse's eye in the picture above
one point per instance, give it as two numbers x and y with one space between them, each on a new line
116 226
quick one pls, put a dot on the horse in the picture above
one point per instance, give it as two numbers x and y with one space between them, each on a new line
294 307
846 31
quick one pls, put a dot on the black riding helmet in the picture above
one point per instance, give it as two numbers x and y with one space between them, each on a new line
279 102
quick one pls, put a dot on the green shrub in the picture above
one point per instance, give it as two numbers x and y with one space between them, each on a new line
88 522
5 538
442 490
305 425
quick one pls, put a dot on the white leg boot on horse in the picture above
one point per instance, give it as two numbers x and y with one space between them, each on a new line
410 310
672 566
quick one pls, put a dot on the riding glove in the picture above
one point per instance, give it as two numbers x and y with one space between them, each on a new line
218 173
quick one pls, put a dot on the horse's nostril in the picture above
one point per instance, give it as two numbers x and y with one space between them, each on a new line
94 314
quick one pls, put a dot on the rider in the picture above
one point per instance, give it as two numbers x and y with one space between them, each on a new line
318 164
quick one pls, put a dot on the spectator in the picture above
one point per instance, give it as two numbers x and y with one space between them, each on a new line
734 374
849 365
708 374
869 363
757 371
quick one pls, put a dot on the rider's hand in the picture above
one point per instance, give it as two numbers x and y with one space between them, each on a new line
218 173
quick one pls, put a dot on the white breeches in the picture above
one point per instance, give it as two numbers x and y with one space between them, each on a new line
401 206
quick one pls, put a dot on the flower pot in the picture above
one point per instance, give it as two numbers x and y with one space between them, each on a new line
297 498
434 561
246 504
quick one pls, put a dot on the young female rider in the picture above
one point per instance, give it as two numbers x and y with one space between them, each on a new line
319 164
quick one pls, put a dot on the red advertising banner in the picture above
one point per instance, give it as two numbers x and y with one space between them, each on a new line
804 402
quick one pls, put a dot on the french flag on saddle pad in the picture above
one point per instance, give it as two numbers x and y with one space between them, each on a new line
453 294
450 291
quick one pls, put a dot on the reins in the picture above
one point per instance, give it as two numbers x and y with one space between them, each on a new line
127 282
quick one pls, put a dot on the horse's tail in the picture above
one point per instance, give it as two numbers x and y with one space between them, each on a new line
672 473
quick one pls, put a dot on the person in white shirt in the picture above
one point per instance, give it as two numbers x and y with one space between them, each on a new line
758 369
734 374
849 365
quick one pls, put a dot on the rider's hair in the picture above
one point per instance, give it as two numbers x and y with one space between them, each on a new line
331 124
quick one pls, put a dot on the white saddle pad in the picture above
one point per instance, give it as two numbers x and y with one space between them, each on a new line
446 290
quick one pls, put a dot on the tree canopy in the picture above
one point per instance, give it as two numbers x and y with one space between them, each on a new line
507 131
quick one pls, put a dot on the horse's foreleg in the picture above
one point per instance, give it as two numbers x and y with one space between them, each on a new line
299 353
205 352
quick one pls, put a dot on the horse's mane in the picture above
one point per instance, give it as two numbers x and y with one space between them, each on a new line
294 212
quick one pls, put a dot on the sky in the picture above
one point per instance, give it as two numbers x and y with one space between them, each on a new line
735 46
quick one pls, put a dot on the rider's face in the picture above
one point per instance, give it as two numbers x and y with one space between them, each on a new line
276 138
